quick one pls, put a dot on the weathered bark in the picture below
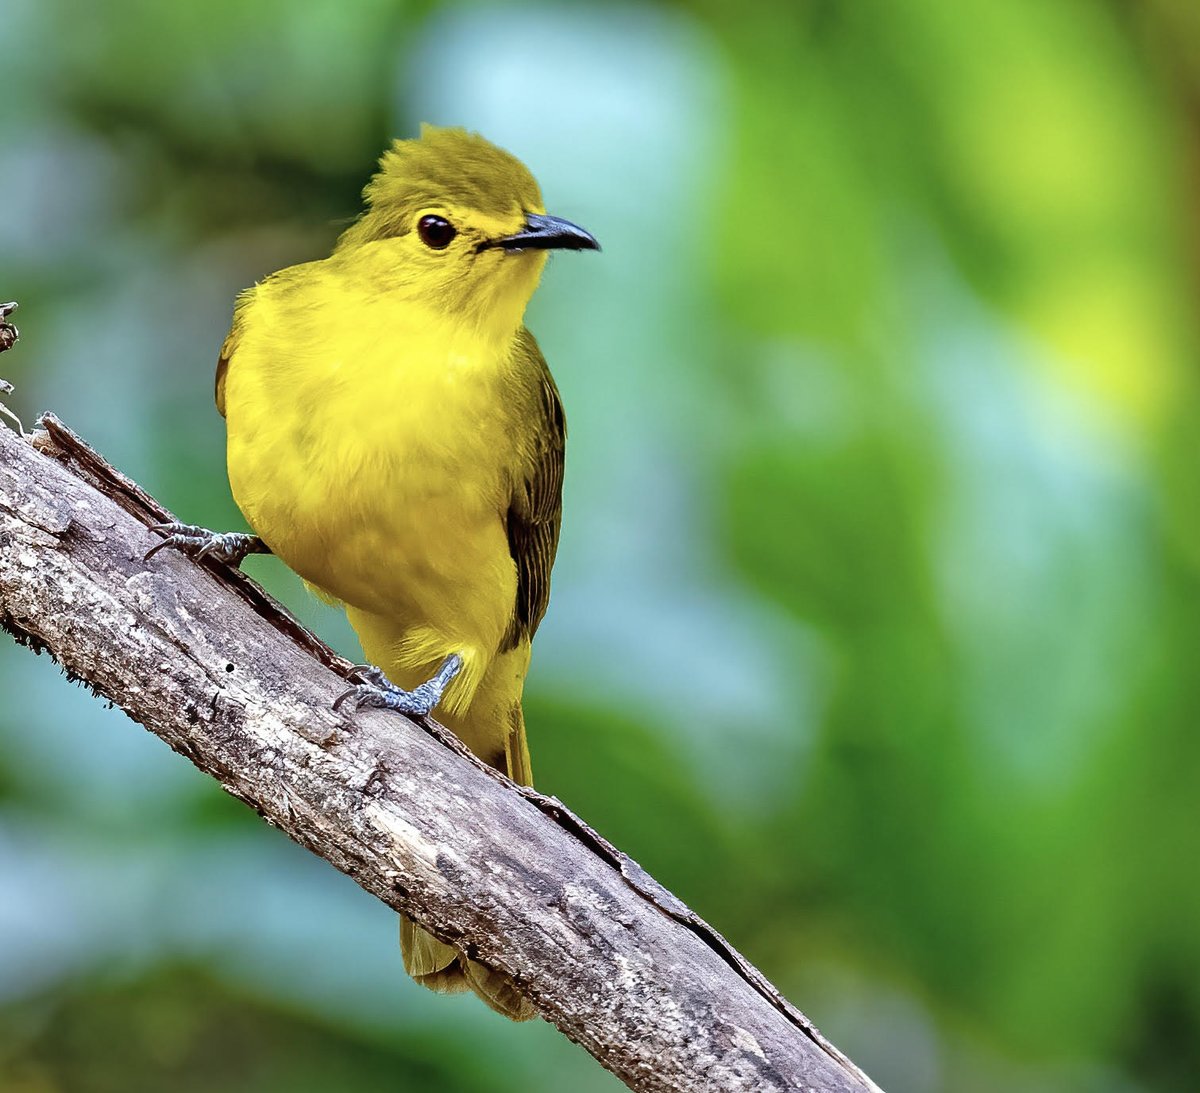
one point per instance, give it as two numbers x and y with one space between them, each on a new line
207 661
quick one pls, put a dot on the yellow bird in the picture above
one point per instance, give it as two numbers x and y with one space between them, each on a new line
396 438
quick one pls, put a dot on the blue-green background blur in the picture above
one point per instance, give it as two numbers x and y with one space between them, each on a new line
876 621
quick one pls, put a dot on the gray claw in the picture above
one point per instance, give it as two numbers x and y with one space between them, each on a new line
368 673
415 703
378 691
228 547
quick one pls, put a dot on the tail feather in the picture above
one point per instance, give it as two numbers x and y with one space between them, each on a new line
516 749
432 963
441 967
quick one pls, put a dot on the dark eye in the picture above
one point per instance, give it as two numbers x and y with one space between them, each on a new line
435 232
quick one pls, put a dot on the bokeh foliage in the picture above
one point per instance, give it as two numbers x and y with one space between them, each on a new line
874 620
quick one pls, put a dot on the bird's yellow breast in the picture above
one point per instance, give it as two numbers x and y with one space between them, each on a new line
373 447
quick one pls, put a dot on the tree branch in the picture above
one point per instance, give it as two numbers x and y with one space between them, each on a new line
203 658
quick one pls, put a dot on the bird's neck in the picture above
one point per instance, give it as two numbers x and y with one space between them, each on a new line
486 312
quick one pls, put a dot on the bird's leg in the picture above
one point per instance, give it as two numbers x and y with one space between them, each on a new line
230 547
377 690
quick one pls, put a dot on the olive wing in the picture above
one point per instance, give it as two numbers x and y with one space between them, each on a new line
535 510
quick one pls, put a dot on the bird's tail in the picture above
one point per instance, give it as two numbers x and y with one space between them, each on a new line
441 967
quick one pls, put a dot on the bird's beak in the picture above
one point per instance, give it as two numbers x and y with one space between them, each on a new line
542 232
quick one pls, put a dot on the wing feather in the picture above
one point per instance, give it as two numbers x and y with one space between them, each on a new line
535 511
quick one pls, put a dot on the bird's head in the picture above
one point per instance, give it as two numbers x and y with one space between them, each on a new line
458 224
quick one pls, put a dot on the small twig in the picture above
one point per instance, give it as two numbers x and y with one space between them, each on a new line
8 333
8 338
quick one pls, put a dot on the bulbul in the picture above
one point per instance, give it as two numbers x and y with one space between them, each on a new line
396 438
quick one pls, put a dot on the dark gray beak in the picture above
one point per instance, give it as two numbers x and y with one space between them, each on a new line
542 232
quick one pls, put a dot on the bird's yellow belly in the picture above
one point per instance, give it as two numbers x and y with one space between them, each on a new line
396 513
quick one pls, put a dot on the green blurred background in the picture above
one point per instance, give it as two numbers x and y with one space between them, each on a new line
878 603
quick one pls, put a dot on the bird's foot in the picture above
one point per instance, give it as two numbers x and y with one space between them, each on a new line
375 689
229 547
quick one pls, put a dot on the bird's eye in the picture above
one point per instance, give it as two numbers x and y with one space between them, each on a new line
436 232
